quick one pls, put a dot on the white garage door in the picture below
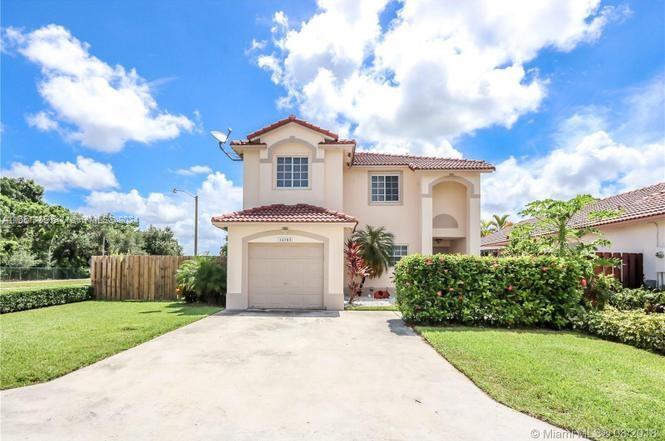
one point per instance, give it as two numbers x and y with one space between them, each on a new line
286 276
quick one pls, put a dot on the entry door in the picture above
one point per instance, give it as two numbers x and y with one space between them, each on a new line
288 276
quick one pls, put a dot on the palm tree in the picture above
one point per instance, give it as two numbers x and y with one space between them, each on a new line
376 248
486 228
500 222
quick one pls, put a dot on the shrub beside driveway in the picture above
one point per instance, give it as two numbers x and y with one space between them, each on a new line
511 292
41 344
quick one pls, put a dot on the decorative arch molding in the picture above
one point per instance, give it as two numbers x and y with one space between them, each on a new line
444 221
471 188
292 140
268 233
282 232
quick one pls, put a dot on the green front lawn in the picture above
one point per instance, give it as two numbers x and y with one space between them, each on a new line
39 284
568 379
42 344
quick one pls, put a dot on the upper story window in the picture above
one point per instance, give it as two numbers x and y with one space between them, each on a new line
292 172
384 188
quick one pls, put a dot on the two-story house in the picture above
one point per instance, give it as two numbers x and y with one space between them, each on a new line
305 190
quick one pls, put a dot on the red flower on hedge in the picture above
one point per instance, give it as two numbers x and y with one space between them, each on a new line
584 283
439 293
509 288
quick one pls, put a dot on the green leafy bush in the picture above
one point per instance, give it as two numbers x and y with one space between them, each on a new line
38 298
501 291
600 289
634 327
640 298
202 279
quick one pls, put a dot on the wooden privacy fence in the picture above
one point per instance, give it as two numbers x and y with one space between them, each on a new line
630 271
136 277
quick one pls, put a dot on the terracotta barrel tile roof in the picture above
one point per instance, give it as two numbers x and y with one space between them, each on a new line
637 204
338 141
292 119
285 213
363 159
245 142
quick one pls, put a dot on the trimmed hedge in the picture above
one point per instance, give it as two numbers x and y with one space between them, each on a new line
498 291
38 298
635 327
639 298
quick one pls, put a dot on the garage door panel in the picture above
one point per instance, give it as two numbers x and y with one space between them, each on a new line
286 276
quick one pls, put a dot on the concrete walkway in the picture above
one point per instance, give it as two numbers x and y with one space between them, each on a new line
268 376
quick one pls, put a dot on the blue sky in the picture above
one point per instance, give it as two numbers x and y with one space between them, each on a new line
553 96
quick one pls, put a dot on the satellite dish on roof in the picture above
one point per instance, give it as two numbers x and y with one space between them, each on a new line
220 136
221 139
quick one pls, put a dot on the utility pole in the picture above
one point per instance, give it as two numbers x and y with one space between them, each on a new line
196 225
196 218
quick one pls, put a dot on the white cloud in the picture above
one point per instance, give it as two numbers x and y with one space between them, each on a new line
217 195
87 174
99 105
589 157
194 170
256 45
440 69
598 165
42 121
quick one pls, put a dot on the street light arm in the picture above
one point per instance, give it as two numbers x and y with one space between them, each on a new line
176 190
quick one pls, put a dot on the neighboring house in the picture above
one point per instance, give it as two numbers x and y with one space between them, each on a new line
304 192
639 228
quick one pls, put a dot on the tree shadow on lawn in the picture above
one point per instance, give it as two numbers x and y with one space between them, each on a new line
182 308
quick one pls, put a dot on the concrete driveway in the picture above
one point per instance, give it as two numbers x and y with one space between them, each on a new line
273 376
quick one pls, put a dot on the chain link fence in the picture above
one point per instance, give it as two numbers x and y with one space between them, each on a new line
10 274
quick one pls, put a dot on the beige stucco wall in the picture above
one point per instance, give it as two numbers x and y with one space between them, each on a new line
408 219
331 235
325 169
250 181
646 237
334 179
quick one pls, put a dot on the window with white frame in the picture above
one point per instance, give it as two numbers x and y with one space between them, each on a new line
399 251
384 188
292 172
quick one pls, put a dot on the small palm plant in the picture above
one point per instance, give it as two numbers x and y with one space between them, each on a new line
376 249
202 279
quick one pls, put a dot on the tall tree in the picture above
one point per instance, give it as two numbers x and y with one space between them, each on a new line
160 242
21 189
38 234
486 228
500 222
